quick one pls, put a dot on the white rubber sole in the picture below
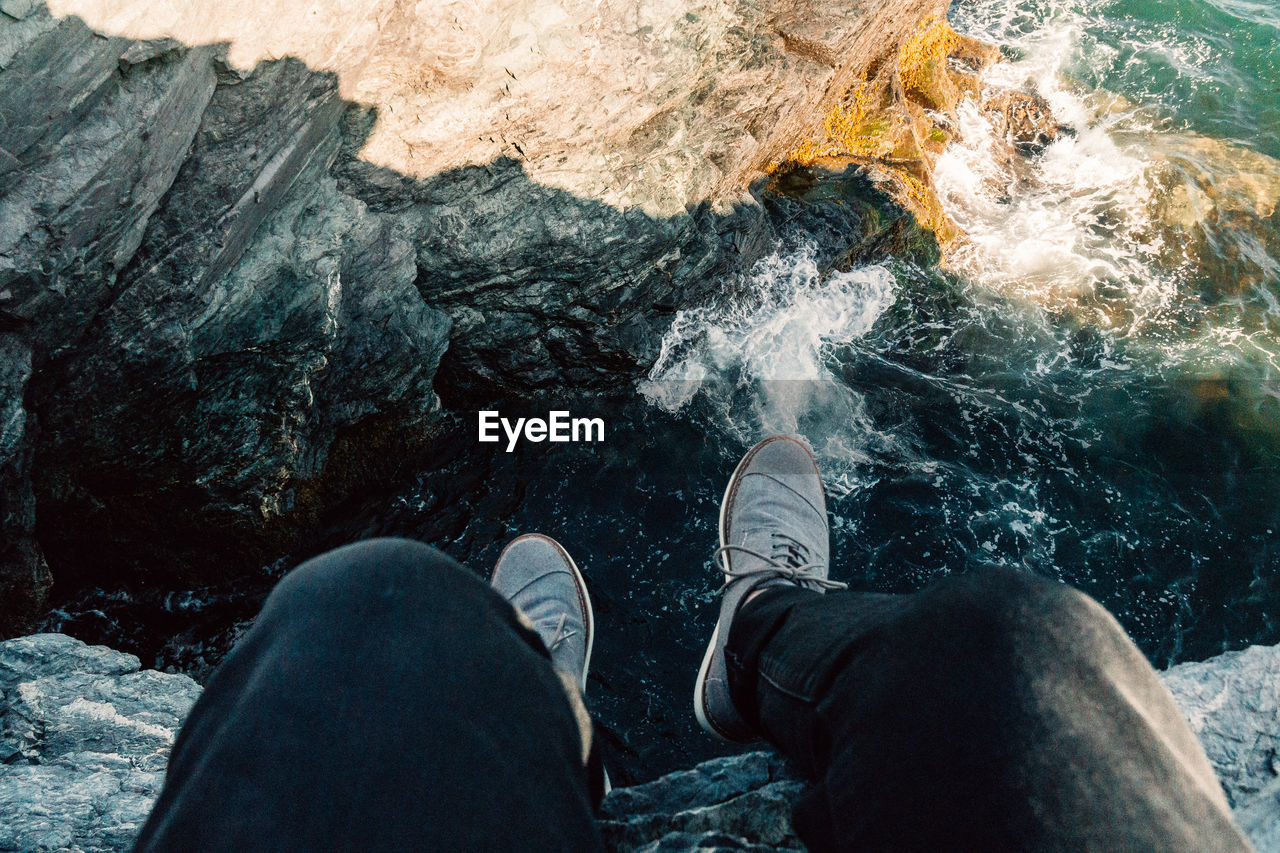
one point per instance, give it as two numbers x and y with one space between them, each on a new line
699 701
699 686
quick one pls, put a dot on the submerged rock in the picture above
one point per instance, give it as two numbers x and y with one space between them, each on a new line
1216 210
1024 120
84 736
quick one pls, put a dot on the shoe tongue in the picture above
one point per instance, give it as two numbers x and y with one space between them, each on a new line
789 552
763 541
568 654
545 612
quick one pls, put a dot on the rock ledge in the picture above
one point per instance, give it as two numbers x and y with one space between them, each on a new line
85 734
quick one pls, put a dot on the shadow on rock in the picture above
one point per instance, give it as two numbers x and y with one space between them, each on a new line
221 323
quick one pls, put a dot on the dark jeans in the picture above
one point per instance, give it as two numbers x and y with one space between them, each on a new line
386 699
990 711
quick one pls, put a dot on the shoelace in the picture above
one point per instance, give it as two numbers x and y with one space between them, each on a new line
791 551
790 560
560 634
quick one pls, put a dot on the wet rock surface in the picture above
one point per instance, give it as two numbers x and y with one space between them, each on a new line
242 249
1023 120
84 736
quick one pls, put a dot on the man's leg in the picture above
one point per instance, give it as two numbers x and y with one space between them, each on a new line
992 711
385 699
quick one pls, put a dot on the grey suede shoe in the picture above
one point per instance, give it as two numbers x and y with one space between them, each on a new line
773 530
539 577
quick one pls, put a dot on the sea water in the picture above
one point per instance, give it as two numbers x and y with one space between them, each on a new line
1094 395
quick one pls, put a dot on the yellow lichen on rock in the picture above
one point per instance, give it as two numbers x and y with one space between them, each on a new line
899 116
849 128
922 63
923 202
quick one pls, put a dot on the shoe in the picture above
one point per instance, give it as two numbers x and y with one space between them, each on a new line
539 577
773 531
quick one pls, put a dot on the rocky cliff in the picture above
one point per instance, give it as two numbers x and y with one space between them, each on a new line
84 735
244 246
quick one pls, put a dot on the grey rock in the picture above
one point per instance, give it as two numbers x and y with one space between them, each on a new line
1260 818
83 802
18 9
24 576
245 244
84 739
1233 704
132 716
87 733
44 655
737 803
64 698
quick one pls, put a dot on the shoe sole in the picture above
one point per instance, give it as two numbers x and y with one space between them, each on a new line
699 686
580 586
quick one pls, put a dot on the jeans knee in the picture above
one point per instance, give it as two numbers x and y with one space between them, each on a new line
1014 610
367 569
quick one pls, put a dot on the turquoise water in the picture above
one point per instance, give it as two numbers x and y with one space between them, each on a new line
1212 66
1091 391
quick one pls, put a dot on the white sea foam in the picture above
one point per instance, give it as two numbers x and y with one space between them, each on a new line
1098 227
760 359
1073 229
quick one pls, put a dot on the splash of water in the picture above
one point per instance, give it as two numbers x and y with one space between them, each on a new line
1072 226
760 362
1133 222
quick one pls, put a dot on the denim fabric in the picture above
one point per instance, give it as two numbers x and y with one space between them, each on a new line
990 711
385 699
